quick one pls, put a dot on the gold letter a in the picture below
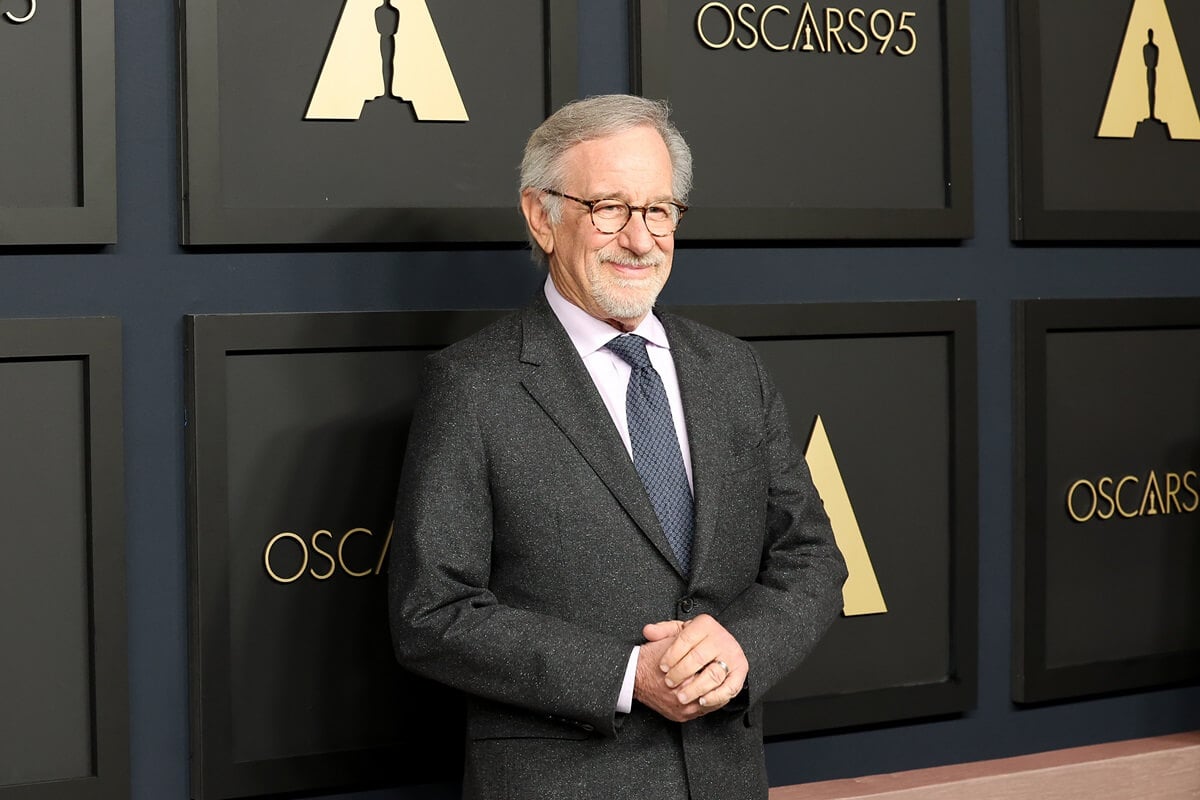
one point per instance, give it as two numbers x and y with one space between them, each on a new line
1150 40
353 70
861 594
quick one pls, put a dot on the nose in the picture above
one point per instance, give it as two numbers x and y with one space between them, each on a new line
635 236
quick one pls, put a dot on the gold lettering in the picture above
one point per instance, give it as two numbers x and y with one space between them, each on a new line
1112 506
1191 490
1172 491
700 25
1120 485
748 26
267 556
1071 501
884 38
808 22
832 31
912 33
762 26
840 31
1170 495
14 19
1151 494
862 15
325 554
342 557
387 543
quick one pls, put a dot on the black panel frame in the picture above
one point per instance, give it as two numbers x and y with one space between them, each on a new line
956 321
651 71
210 340
97 343
1033 680
1030 220
206 221
94 221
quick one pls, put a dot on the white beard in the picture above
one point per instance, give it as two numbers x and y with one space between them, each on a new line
626 298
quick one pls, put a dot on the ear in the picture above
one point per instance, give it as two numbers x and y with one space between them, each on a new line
537 219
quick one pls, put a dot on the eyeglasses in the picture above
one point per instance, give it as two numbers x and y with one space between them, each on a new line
611 216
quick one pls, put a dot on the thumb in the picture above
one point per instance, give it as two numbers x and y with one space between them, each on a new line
657 631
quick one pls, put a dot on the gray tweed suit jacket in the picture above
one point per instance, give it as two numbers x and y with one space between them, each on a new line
527 558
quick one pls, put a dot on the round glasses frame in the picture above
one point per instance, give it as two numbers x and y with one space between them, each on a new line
662 219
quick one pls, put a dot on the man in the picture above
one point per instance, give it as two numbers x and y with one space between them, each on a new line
615 636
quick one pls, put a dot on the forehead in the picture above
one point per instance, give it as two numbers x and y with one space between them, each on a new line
633 164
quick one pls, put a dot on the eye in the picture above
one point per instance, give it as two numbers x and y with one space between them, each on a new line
610 210
660 212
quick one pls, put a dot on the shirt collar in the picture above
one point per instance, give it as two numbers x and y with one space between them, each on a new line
589 334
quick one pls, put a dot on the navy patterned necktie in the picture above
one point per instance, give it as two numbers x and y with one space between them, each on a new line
656 454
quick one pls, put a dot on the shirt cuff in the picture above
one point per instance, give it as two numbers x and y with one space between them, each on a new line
625 699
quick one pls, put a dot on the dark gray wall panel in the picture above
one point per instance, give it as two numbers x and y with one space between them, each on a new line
1068 183
889 381
1108 564
64 727
254 169
58 126
814 130
45 607
41 168
298 426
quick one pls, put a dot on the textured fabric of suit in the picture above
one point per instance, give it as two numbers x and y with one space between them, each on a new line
527 557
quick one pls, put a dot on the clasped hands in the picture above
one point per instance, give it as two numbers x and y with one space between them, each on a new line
688 669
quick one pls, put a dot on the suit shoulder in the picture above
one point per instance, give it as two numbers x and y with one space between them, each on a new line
496 343
697 334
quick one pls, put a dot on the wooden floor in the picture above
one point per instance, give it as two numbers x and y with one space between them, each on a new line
1162 768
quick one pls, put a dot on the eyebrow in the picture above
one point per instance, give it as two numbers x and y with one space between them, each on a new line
624 197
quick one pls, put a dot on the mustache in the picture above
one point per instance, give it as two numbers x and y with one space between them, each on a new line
627 259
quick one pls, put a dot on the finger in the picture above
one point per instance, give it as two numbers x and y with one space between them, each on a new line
696 660
721 695
700 641
658 631
690 635
706 682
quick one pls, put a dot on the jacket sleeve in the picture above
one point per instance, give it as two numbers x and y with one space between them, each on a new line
446 624
780 617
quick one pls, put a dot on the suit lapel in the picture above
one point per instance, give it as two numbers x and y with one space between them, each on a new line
707 437
561 385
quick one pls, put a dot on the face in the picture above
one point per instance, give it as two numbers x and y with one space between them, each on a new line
611 276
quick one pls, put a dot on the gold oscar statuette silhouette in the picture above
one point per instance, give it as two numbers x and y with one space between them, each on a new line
388 50
1150 94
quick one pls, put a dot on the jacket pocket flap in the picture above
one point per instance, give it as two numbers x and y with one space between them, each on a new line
483 723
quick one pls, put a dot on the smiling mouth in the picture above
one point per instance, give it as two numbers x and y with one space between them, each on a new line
631 271
633 263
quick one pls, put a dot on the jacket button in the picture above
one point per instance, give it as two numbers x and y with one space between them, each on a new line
686 605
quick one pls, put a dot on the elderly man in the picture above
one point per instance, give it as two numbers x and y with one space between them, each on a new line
604 533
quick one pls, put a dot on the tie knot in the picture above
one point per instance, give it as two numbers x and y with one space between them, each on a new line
631 348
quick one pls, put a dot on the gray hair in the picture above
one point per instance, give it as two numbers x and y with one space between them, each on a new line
595 118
